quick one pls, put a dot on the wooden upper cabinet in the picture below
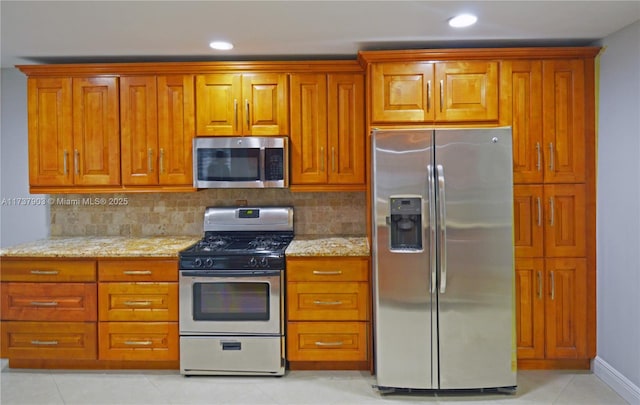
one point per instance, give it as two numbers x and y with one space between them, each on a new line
96 131
528 220
157 128
242 104
74 134
453 91
327 129
564 120
565 227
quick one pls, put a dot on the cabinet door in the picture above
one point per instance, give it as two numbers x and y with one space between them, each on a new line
566 308
346 136
402 92
49 103
218 104
467 91
49 340
327 341
564 120
530 308
148 341
49 301
522 88
318 301
96 137
308 129
565 230
528 221
176 129
138 302
264 104
139 130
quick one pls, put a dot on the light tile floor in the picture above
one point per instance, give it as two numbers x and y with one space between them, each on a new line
37 387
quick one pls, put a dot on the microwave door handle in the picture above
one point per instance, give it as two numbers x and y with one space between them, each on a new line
261 164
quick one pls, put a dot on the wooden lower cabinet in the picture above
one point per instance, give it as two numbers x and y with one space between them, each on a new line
49 340
149 341
49 301
328 313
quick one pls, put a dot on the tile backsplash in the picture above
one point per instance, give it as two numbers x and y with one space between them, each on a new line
157 214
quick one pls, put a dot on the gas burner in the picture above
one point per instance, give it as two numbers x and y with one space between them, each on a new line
264 243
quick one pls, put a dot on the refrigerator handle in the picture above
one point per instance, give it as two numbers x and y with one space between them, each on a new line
432 228
442 229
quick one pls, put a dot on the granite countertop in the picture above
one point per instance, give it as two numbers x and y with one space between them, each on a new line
328 246
106 246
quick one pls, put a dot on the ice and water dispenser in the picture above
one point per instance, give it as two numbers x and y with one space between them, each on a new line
405 222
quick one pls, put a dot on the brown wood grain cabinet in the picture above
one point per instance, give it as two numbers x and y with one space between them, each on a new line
239 104
157 128
327 132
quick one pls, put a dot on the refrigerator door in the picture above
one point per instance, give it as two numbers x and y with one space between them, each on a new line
402 265
476 263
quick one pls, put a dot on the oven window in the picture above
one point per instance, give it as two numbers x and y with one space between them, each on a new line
231 301
228 164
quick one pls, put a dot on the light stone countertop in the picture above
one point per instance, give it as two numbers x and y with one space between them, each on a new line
328 246
102 246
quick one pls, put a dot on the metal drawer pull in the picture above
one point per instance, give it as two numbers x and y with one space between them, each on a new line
138 343
138 303
329 343
316 302
44 342
44 303
137 272
45 272
327 273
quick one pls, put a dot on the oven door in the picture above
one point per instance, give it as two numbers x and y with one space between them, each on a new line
238 302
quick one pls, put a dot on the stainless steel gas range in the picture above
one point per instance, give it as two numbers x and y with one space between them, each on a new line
232 293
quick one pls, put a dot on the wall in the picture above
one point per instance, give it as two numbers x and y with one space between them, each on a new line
20 219
618 218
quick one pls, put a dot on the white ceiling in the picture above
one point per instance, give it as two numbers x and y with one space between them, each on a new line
104 31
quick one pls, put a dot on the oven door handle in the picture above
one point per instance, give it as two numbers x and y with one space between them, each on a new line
223 273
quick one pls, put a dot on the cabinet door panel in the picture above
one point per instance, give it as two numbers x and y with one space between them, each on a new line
308 128
566 308
264 103
138 270
327 341
346 129
528 221
50 123
218 104
402 92
49 301
96 129
328 269
49 340
565 231
530 308
59 271
322 301
176 129
149 341
138 302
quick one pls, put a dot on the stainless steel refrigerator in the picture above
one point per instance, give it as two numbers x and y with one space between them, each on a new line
443 259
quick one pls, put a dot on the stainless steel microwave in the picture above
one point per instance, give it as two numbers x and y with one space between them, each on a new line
241 162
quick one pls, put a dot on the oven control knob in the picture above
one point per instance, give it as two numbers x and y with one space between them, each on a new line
208 262
197 262
264 262
253 262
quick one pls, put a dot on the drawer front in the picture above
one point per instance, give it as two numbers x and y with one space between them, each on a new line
49 302
49 340
60 271
328 269
138 270
138 341
138 302
327 341
327 301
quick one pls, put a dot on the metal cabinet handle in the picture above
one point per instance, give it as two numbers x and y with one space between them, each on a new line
138 342
150 160
44 342
322 158
552 211
161 160
44 272
333 159
539 204
443 229
76 161
248 118
317 302
553 285
334 344
65 162
551 156
44 303
441 94
539 285
137 303
235 112
327 272
137 272
539 156
428 95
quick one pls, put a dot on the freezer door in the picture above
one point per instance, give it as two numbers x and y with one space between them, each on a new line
402 263
476 264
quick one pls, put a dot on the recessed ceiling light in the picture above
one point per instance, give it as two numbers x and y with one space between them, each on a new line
463 20
221 45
